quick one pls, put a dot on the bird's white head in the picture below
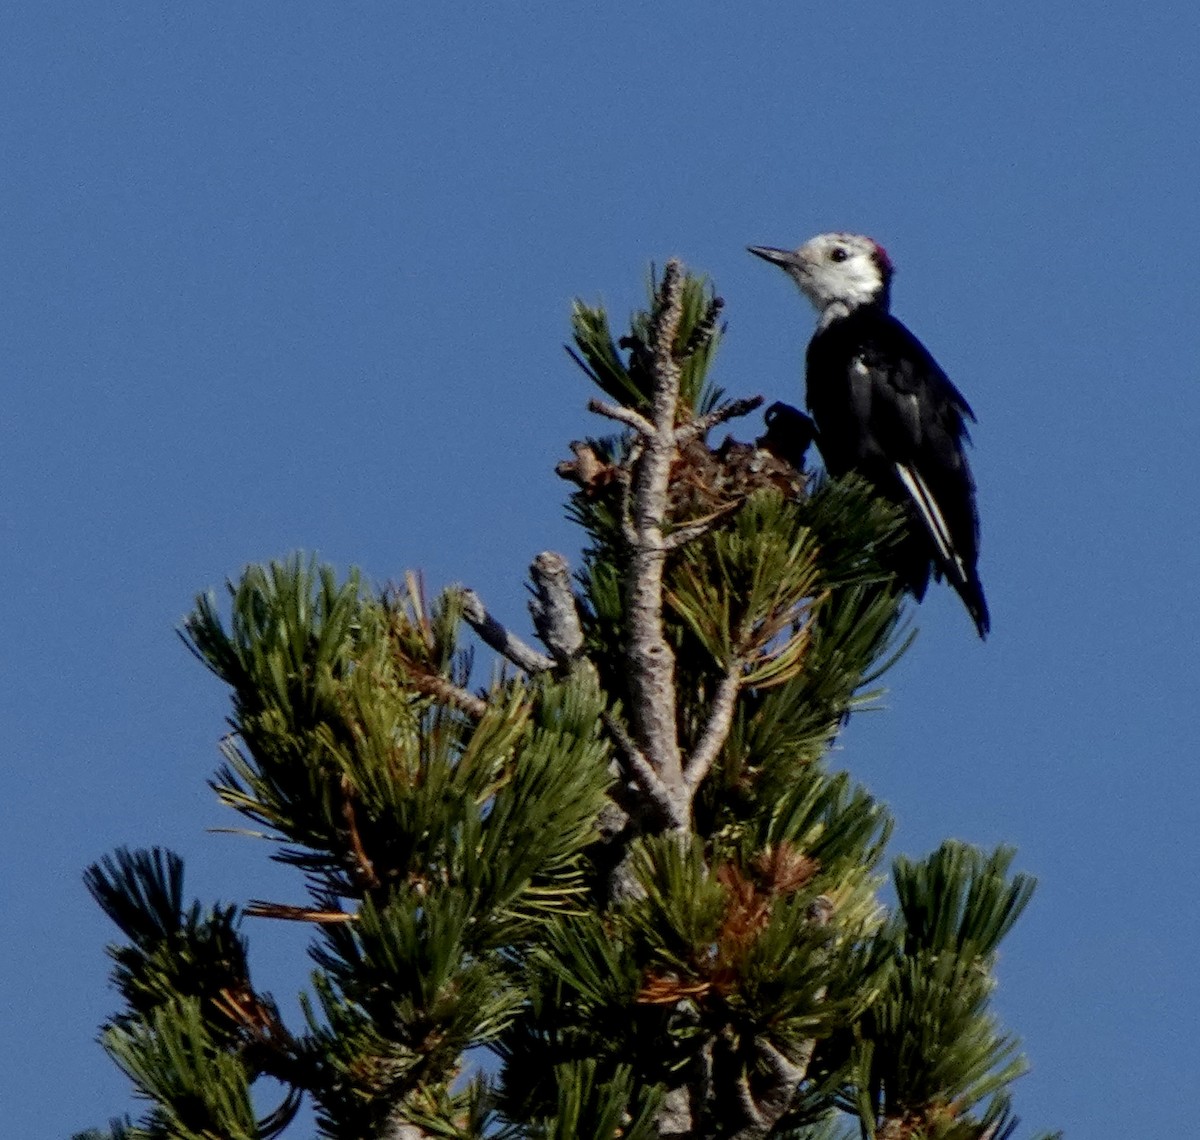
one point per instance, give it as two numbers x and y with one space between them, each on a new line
836 272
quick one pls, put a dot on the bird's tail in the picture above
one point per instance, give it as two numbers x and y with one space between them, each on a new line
959 572
971 592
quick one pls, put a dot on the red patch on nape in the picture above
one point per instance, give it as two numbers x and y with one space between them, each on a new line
881 256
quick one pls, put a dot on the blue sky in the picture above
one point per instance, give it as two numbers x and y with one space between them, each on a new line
297 276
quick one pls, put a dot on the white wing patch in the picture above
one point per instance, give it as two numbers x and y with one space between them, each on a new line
931 516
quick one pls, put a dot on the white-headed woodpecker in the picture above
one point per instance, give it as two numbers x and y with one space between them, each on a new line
884 408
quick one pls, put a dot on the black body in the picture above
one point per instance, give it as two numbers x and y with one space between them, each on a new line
885 409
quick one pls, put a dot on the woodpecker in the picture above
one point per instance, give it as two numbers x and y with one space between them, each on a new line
884 408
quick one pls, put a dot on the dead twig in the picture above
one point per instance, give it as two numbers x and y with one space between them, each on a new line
627 416
448 693
638 768
716 728
555 614
260 908
366 869
699 527
504 642
702 425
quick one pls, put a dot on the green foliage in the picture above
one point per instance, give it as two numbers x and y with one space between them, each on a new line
352 744
955 901
930 1049
588 1108
199 1090
173 950
701 950
343 747
581 1006
183 1038
630 381
748 594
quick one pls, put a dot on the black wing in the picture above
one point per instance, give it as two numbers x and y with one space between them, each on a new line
885 408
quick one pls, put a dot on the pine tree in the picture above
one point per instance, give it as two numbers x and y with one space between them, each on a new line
617 891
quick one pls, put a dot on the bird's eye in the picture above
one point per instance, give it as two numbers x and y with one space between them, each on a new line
838 254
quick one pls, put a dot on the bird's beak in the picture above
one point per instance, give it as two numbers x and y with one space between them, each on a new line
784 258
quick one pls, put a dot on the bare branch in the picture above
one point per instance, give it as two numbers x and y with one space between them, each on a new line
507 644
652 756
698 527
628 530
674 1116
762 1107
555 614
701 426
786 1076
259 908
784 1070
756 1124
365 868
444 690
639 769
626 416
716 730
651 661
